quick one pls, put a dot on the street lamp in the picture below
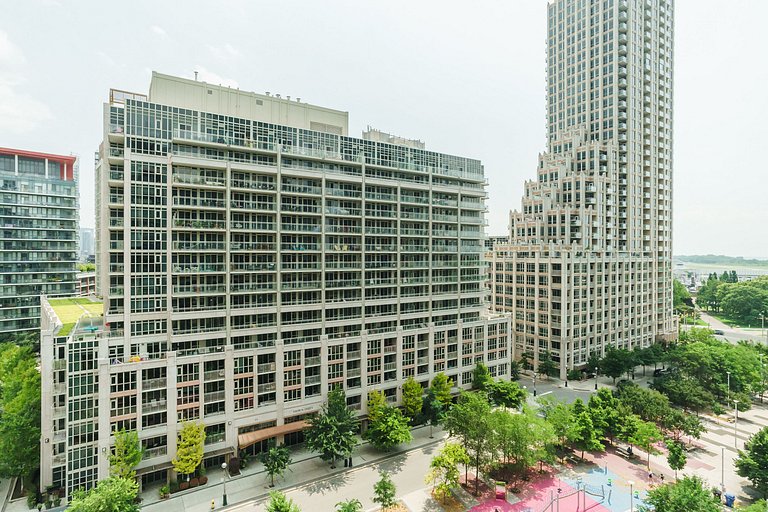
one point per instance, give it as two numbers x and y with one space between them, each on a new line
728 396
534 383
631 496
735 422
596 368
224 481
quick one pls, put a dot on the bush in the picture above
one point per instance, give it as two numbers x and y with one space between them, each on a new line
183 486
194 482
174 486
57 501
574 374
31 497
203 480
164 491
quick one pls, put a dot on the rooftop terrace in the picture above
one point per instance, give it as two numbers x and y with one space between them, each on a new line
70 310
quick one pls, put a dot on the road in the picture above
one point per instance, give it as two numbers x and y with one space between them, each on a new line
730 334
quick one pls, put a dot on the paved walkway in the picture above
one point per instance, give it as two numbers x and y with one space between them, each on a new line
311 482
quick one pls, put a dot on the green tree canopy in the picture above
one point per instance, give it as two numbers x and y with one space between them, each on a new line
687 495
752 462
443 471
189 449
279 502
432 410
504 393
676 457
332 431
384 491
546 365
481 377
521 439
114 494
470 420
388 429
276 460
441 386
127 454
19 411
412 398
377 402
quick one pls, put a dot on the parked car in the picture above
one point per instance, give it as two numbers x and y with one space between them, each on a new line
718 332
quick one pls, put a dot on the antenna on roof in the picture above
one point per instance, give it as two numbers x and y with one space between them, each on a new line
195 76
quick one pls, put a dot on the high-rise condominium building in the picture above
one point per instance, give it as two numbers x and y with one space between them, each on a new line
589 261
251 256
39 218
86 243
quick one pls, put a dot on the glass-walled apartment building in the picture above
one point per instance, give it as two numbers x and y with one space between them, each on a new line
39 222
251 256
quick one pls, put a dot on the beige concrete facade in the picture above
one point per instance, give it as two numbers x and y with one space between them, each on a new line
589 265
248 267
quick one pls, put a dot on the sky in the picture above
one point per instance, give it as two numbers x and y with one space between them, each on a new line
468 78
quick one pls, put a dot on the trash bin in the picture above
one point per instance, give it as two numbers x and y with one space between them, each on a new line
729 499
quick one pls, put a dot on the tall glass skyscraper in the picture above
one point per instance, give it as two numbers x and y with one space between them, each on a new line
588 265
39 220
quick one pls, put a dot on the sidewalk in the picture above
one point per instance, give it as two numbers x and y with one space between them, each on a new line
307 471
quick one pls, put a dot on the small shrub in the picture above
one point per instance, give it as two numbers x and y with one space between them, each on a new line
57 501
183 486
31 497
574 375
194 482
203 480
174 486
164 492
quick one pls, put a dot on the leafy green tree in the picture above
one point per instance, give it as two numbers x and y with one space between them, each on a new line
752 462
377 402
19 411
686 495
189 449
606 412
276 460
389 429
677 423
593 362
505 393
561 417
279 502
616 363
649 404
758 506
546 365
350 505
384 491
114 494
522 439
585 437
432 410
470 420
441 386
412 398
332 432
680 296
481 377
645 436
443 471
525 360
514 370
128 453
676 457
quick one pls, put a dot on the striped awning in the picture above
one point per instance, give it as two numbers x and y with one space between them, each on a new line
249 438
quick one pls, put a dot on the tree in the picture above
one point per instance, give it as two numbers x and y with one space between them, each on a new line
505 393
470 420
680 296
444 473
514 370
114 494
525 360
606 412
189 449
279 502
584 436
389 429
676 457
481 377
521 439
19 411
384 491
645 436
128 454
758 506
377 402
752 462
412 398
593 362
560 416
276 460
441 386
649 404
686 495
677 423
546 365
332 432
432 410
616 363
350 505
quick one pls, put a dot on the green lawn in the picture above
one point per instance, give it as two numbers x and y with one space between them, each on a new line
70 310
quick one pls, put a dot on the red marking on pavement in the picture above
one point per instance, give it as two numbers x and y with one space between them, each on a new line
538 494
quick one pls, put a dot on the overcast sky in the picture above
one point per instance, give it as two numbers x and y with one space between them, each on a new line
466 77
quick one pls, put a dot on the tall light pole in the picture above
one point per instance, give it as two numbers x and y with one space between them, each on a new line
735 422
534 383
224 481
728 396
596 368
631 496
722 469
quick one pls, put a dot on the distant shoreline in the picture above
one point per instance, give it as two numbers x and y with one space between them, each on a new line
711 260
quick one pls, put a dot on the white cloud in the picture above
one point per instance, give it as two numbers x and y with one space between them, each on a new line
160 31
19 112
212 78
225 52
